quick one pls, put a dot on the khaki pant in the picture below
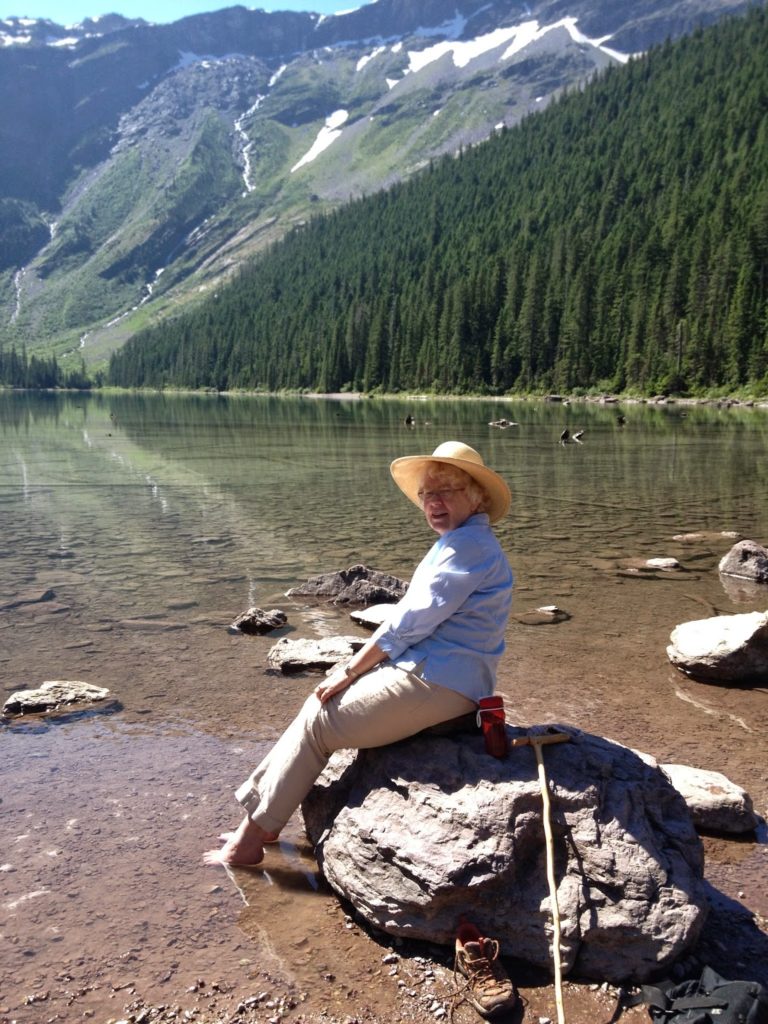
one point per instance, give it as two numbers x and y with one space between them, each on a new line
382 706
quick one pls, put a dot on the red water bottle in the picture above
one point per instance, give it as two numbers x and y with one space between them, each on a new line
490 718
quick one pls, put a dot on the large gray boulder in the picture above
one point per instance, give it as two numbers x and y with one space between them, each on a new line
419 833
722 649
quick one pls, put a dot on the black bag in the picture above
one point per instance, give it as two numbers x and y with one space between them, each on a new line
709 999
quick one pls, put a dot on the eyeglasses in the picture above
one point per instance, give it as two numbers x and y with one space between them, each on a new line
444 494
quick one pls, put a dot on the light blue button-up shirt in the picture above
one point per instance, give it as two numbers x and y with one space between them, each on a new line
450 624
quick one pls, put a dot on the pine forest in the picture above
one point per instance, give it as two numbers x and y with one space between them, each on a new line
618 241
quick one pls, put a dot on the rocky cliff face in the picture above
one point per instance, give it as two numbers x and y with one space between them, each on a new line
140 164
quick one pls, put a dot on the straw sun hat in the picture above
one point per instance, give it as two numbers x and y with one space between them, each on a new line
408 473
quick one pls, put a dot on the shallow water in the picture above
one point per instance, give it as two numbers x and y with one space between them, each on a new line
156 520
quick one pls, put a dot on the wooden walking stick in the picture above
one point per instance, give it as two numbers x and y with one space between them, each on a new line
537 741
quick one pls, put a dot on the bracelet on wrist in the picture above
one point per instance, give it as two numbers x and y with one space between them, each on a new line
350 674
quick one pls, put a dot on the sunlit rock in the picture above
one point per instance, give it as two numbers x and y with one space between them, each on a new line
722 649
52 695
716 804
291 656
373 616
664 564
747 560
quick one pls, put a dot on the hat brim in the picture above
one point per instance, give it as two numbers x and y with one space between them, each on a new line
408 473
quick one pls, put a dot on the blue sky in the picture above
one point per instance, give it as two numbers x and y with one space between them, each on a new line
68 12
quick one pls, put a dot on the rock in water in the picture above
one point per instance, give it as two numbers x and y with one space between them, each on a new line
292 656
716 803
258 621
748 560
419 833
722 649
356 585
54 694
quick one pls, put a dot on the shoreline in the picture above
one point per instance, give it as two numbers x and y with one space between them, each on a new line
603 398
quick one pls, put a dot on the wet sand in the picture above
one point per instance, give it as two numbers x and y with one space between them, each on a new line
106 910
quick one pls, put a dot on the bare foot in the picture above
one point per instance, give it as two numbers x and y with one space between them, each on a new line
241 848
269 837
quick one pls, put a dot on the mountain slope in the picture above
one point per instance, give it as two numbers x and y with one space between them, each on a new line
141 164
618 240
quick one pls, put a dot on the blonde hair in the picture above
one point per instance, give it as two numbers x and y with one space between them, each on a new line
442 474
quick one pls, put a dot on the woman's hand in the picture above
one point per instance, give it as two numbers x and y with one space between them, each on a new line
365 659
337 681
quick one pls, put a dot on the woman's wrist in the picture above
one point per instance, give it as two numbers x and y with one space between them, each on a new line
350 674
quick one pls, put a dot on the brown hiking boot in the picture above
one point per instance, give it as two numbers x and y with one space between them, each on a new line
489 990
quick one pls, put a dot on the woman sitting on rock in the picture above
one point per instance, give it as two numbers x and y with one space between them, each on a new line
432 660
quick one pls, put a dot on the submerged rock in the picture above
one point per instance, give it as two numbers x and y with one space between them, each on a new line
356 585
650 565
707 536
419 833
28 597
547 615
722 649
52 695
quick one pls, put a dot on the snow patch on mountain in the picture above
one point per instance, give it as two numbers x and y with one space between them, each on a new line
369 57
330 131
463 52
518 37
452 28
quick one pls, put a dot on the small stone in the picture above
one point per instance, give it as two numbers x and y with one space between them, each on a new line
257 621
